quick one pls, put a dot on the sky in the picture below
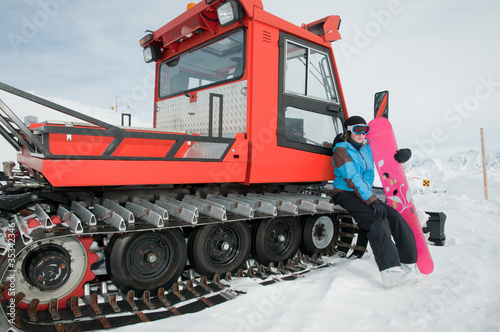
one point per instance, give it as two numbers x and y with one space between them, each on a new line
438 59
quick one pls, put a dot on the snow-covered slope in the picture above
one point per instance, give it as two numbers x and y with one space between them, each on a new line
462 294
460 174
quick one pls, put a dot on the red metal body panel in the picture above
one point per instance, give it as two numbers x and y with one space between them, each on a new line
143 147
90 173
79 145
268 161
97 172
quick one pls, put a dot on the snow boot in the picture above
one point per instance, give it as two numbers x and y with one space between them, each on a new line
414 271
395 276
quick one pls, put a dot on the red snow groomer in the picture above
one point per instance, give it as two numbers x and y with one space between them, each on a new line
104 225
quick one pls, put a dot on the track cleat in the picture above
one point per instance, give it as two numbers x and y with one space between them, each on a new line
395 276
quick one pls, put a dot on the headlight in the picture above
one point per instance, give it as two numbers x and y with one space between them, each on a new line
229 12
151 53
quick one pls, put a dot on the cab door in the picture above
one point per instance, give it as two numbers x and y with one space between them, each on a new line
310 113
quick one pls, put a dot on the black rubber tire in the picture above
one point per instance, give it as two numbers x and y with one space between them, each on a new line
319 234
219 248
130 265
276 240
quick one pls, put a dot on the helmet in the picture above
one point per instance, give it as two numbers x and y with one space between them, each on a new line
353 120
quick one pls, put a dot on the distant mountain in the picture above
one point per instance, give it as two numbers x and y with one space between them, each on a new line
461 173
459 162
472 159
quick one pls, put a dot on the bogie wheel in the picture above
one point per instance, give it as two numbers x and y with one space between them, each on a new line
53 269
276 240
146 260
319 234
219 248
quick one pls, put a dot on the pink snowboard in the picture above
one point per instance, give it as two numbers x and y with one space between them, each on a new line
392 175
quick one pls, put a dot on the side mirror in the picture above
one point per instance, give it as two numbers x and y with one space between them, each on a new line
382 104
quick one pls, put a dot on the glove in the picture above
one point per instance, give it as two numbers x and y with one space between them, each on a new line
379 210
402 155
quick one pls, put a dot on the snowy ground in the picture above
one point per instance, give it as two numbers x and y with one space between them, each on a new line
462 294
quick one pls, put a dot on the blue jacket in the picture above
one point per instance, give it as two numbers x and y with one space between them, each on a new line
354 170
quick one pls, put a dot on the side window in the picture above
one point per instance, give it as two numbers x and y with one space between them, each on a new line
296 69
320 77
311 128
308 72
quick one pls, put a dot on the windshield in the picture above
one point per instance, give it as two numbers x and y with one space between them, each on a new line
216 62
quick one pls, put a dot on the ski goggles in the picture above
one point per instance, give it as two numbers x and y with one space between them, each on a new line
359 129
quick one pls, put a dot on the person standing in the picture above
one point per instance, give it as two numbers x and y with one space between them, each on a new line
390 237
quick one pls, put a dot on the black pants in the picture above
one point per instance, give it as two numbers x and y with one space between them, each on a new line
381 231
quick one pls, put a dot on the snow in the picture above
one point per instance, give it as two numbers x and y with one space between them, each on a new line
460 174
462 293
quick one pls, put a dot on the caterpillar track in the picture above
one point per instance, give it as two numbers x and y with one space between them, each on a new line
47 286
101 309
